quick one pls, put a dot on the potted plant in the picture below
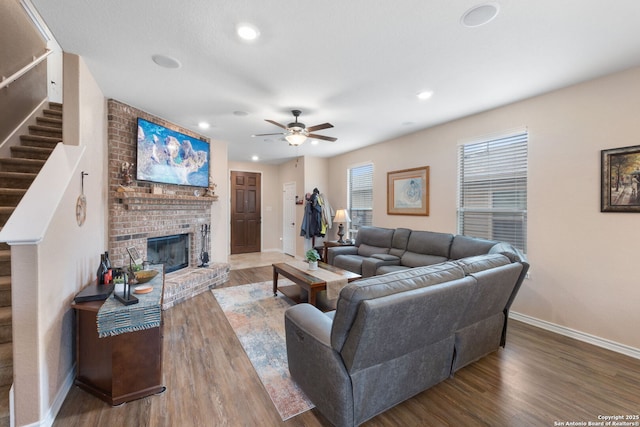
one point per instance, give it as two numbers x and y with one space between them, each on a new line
312 258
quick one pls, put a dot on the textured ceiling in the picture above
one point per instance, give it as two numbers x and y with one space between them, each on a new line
357 64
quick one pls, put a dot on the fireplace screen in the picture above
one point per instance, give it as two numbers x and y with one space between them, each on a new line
172 251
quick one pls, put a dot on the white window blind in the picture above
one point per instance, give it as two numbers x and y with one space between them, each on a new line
492 181
360 194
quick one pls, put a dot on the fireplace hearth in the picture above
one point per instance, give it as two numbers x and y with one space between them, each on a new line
172 251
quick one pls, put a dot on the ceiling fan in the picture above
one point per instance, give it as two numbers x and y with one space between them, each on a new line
296 132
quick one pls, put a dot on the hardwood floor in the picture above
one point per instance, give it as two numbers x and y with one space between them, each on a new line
539 378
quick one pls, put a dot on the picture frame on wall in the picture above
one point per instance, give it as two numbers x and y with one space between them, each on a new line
620 181
408 191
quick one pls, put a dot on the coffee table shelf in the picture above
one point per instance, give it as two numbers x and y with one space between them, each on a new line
305 280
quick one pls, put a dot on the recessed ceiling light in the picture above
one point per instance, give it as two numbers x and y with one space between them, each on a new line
425 94
255 158
480 14
247 32
204 125
166 61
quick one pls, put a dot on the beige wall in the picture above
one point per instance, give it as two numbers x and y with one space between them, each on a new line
583 262
220 209
19 44
50 271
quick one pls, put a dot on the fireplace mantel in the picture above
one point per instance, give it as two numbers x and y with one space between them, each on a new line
149 201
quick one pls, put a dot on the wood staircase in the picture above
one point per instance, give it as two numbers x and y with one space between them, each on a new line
16 175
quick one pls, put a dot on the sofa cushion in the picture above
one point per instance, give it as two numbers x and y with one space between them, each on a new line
351 263
478 263
412 259
378 286
399 241
389 269
465 246
367 250
374 236
430 243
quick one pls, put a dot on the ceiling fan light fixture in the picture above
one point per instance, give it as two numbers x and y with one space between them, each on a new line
295 138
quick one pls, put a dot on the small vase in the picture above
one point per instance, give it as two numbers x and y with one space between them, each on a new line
313 265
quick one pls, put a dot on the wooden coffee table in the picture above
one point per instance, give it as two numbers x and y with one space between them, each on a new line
305 280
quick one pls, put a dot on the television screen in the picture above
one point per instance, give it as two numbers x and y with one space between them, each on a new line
169 157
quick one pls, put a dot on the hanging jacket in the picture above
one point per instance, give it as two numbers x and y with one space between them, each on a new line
312 220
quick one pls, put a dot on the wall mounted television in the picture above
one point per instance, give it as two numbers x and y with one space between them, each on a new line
169 157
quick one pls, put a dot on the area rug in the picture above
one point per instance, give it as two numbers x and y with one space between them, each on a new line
257 318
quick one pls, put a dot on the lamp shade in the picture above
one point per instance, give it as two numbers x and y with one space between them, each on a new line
341 216
296 138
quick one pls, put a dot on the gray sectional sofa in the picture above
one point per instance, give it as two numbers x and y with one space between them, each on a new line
383 250
394 335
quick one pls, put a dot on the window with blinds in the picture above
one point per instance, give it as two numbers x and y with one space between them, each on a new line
360 195
492 202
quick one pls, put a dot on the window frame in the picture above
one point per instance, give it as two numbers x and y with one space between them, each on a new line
356 215
492 188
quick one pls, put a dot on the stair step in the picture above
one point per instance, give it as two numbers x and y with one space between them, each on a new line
5 291
6 364
34 141
11 196
12 191
5 259
27 152
5 316
55 105
16 179
21 165
52 113
5 213
5 325
4 406
40 139
53 122
41 130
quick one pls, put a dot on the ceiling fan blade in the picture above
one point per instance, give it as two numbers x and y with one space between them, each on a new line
267 134
325 138
320 127
275 123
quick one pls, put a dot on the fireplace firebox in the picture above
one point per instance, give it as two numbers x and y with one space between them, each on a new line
172 251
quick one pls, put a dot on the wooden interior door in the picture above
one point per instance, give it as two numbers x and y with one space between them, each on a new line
246 217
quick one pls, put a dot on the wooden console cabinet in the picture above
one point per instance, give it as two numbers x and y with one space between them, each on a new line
118 368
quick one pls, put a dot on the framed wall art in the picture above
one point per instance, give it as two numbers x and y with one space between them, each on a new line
408 192
620 180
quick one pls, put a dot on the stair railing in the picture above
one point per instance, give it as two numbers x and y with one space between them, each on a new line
24 70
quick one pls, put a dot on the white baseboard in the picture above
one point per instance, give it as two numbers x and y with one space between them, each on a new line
57 402
580 336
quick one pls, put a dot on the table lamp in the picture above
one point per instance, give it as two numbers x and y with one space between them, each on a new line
341 217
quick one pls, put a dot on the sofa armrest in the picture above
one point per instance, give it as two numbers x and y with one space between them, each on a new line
315 366
370 265
386 257
334 251
313 322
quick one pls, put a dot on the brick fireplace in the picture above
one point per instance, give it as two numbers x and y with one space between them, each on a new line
138 214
